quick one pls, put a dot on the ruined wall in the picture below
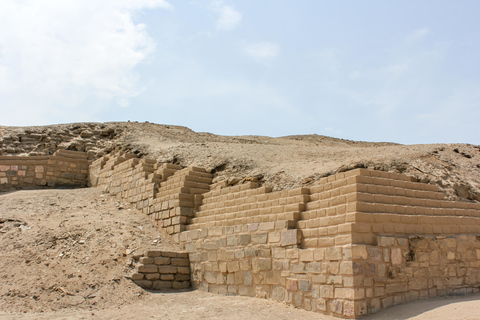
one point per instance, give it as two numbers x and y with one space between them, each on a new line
96 139
64 168
357 243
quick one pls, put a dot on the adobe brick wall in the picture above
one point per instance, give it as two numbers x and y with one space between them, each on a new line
358 242
162 270
63 168
168 193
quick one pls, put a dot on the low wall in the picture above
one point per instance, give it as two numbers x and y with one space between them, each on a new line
64 168
162 270
358 242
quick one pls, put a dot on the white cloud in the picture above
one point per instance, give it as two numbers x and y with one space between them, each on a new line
67 51
417 35
228 18
262 50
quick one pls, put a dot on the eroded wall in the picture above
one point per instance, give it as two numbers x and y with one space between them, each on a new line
64 168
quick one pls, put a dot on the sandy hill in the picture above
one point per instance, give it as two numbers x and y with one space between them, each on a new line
284 162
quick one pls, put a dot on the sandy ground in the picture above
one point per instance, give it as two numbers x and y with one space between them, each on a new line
200 305
64 254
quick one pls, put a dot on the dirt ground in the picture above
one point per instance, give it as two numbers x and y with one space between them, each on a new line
64 254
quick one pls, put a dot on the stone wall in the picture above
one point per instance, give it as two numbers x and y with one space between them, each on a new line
358 242
162 270
62 169
168 193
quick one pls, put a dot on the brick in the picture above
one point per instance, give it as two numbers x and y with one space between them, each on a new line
306 255
167 269
334 253
292 284
149 268
180 262
289 237
146 260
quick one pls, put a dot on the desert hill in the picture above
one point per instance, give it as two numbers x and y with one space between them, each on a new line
283 162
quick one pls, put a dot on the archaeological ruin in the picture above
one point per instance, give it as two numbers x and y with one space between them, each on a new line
358 242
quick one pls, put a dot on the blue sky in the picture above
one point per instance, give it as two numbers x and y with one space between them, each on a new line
400 71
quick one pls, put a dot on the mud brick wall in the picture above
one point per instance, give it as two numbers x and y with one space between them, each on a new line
64 168
264 260
358 242
166 192
162 270
400 270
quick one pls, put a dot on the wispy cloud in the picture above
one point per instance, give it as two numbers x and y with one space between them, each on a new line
68 51
228 17
262 51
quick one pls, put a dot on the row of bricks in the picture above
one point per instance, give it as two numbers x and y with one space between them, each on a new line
158 205
365 172
174 229
184 184
249 203
240 230
169 217
250 193
380 209
377 190
258 194
254 209
162 197
176 179
250 213
194 171
165 172
387 217
161 284
282 197
236 230
129 183
372 180
66 161
160 276
72 164
448 208
335 239
196 223
134 196
337 235
382 203
142 197
180 220
215 192
161 192
171 212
